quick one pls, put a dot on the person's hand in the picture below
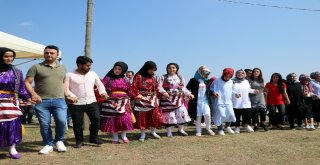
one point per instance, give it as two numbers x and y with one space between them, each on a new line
256 91
105 96
288 102
165 95
72 100
36 99
191 97
30 101
139 97
238 95
216 95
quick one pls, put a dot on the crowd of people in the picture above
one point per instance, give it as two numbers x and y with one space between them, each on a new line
123 101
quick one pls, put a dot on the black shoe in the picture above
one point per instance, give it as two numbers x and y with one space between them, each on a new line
255 128
265 128
96 141
78 145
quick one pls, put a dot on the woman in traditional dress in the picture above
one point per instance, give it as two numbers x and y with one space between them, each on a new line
12 88
146 86
173 90
116 111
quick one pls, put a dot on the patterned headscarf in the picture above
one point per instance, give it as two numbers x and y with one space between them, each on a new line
238 80
305 82
203 70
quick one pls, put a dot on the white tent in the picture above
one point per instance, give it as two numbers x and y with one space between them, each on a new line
24 49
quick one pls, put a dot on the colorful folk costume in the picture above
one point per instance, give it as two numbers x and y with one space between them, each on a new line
200 105
222 89
173 108
12 87
146 110
116 111
306 104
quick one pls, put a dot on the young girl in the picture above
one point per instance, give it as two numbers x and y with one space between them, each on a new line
222 89
241 102
12 87
201 102
173 90
116 111
146 110
276 96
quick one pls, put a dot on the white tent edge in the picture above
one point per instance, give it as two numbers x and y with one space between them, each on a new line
24 49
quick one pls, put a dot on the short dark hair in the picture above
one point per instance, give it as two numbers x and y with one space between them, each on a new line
52 47
83 60
248 70
130 72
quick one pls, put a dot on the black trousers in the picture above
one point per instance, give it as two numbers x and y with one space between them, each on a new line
28 112
294 112
246 116
274 116
255 112
77 113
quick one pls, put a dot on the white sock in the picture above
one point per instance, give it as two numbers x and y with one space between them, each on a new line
12 149
153 130
207 120
115 137
124 135
169 131
198 124
143 134
181 128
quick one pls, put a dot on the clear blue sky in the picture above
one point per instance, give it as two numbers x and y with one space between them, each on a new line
189 32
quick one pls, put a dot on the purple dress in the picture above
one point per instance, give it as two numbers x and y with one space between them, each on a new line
10 130
117 88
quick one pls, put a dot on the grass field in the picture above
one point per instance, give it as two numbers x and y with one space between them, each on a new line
272 147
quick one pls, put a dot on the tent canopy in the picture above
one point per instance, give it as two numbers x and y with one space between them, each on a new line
24 49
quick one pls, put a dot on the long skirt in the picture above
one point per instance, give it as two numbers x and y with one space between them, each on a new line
10 132
224 113
114 124
178 116
147 119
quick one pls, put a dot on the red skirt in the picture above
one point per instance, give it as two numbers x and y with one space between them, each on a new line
147 119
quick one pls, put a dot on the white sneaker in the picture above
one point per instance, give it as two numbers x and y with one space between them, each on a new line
229 130
237 130
249 129
312 127
155 135
203 125
308 126
221 132
211 132
46 149
198 134
61 147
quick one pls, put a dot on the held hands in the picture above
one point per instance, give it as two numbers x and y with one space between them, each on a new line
288 102
256 91
238 95
191 97
105 96
35 99
165 96
139 97
216 95
72 100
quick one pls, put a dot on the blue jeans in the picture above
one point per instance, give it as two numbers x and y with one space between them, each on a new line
58 109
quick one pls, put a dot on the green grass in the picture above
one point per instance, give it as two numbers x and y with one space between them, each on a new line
272 147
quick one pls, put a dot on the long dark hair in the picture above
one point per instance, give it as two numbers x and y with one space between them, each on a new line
260 77
147 65
280 82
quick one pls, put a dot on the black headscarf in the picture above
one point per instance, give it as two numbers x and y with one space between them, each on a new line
123 66
147 66
176 65
5 67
